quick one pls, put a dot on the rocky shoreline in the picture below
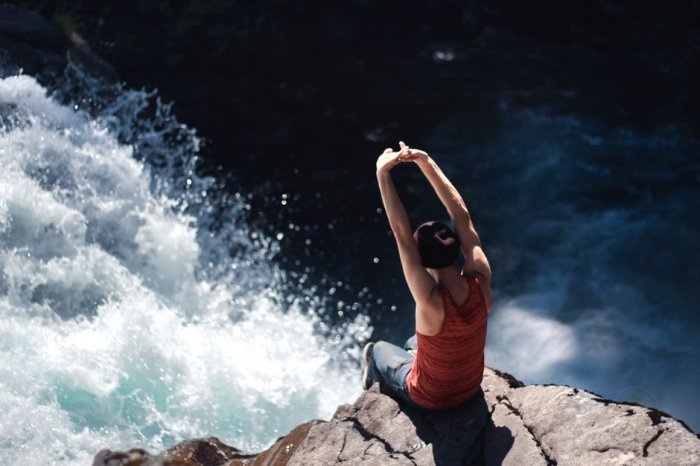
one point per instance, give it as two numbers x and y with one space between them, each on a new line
509 424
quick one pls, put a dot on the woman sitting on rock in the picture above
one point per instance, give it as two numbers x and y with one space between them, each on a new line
443 364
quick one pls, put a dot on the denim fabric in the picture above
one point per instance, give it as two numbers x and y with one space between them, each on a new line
411 344
391 367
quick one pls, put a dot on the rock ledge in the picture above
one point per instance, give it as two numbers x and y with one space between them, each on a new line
508 424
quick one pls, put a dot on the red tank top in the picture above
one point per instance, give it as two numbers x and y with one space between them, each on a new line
449 366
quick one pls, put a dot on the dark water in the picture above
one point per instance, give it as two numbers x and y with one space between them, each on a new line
590 229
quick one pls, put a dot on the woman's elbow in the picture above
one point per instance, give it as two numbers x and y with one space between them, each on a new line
403 235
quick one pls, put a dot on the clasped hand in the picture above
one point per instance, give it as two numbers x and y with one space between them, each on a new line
390 158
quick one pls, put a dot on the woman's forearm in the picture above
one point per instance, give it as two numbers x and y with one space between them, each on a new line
445 190
395 210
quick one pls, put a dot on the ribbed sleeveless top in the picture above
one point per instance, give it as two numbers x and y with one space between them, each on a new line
449 366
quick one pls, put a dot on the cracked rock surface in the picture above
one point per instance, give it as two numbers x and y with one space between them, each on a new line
508 424
566 426
377 430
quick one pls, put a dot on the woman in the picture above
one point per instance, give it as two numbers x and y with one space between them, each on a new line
443 364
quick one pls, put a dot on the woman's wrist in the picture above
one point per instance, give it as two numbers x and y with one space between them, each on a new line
424 161
383 171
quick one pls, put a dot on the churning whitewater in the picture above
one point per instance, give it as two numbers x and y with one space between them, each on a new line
127 317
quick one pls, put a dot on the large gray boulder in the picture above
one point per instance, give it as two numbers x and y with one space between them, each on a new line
506 424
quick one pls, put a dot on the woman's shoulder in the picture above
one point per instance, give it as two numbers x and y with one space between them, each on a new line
477 282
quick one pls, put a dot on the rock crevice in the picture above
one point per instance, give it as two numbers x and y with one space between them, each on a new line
503 400
645 450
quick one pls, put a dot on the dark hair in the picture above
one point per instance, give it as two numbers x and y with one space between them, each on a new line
438 245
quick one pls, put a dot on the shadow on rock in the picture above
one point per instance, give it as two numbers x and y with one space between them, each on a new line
459 435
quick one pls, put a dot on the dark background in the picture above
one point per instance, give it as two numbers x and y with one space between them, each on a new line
297 98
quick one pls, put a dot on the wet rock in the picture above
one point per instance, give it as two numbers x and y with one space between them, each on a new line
30 44
279 453
507 424
28 26
198 452
133 457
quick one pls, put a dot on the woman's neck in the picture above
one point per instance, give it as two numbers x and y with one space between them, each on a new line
446 276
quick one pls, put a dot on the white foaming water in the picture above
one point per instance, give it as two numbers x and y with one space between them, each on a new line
124 321
535 346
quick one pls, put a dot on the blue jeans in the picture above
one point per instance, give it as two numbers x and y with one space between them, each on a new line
391 367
